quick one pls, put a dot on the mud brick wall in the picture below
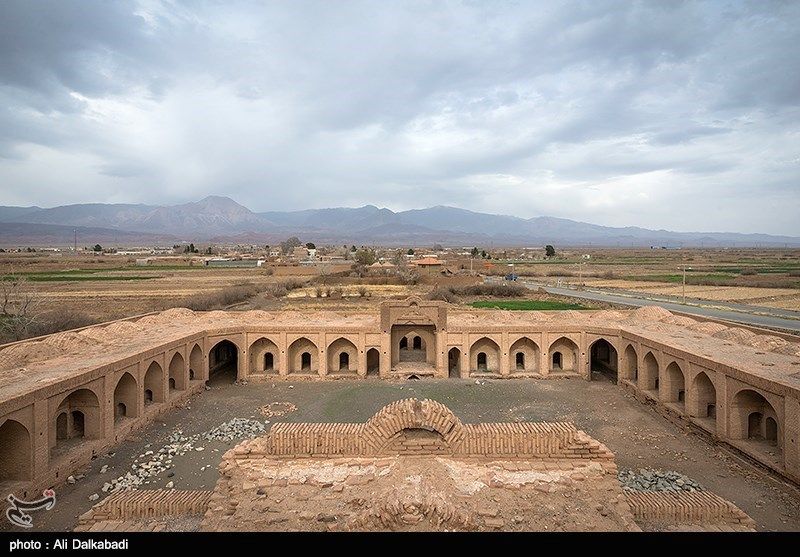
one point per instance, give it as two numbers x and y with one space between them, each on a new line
414 426
316 440
685 508
541 440
130 505
417 442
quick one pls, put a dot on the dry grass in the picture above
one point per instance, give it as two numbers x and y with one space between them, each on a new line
452 293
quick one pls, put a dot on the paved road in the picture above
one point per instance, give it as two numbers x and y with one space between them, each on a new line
757 316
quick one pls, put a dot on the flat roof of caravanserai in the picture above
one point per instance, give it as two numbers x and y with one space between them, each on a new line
26 366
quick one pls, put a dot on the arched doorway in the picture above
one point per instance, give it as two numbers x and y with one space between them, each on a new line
196 363
15 452
263 357
484 356
303 356
753 418
223 363
630 366
126 398
563 355
153 385
78 417
373 362
603 359
342 357
454 363
703 397
413 348
177 373
648 378
673 388
524 356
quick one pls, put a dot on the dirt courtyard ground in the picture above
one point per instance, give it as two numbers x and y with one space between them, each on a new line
639 436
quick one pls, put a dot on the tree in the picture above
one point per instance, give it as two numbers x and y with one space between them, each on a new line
310 245
398 259
190 249
289 244
438 247
549 251
18 307
410 251
352 248
475 252
483 254
365 256
97 247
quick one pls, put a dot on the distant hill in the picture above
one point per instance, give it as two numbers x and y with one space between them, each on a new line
222 219
23 234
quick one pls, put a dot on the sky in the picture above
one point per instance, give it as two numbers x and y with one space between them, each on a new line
676 115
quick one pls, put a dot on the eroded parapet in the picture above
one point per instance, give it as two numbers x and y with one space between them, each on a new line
425 427
145 504
699 507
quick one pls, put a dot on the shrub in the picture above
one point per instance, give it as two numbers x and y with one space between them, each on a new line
362 291
443 294
57 321
748 272
218 299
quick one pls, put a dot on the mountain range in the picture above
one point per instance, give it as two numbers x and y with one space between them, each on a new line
221 219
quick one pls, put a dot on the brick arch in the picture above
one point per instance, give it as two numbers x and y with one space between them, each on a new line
196 365
15 451
672 386
342 356
703 396
264 356
648 374
177 373
297 364
747 401
630 363
490 361
413 414
523 355
568 354
126 397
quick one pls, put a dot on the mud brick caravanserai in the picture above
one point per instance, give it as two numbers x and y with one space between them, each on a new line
67 397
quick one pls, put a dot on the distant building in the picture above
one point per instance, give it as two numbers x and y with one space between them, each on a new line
300 253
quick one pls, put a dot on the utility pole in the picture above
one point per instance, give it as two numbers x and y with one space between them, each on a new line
684 283
75 240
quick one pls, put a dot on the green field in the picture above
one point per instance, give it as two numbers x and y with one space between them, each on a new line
690 278
518 305
89 278
74 277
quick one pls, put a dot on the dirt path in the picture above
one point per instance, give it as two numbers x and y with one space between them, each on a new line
635 432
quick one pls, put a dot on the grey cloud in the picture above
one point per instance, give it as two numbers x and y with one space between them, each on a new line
526 108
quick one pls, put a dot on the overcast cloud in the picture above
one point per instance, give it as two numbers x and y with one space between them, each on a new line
677 115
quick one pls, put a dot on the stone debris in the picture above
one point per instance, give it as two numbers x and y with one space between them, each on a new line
178 444
94 497
71 480
277 409
647 479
